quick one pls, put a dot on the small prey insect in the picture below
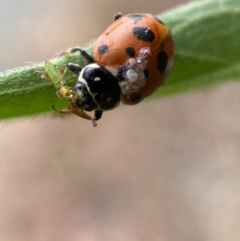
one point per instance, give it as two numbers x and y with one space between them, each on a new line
57 75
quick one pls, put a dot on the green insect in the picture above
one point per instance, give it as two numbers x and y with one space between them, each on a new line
57 75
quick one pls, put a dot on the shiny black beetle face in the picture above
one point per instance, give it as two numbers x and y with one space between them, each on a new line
97 89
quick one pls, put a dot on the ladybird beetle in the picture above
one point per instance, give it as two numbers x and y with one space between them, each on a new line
130 60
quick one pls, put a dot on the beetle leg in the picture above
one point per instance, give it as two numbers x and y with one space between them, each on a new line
84 54
73 109
117 16
97 114
75 68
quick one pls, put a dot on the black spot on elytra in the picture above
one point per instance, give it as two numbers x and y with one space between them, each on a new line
162 60
146 73
160 21
130 51
135 17
102 49
136 98
144 34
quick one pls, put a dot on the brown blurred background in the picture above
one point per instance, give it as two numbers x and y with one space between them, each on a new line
164 170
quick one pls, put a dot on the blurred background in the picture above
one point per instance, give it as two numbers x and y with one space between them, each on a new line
163 170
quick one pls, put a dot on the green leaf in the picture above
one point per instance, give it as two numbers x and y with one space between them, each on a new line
206 35
23 92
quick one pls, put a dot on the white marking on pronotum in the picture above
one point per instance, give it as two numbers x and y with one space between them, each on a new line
81 79
112 70
97 79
